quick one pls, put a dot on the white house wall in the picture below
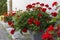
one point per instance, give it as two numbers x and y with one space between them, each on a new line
20 4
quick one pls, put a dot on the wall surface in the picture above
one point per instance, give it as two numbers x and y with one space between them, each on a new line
20 4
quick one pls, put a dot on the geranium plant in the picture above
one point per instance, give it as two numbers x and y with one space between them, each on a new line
35 18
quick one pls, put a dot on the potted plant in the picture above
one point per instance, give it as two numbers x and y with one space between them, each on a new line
35 19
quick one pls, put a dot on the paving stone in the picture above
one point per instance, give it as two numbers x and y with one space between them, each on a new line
3 33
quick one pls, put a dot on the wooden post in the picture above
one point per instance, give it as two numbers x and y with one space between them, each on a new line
10 6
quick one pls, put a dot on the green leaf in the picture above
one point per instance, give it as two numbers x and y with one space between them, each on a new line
53 20
59 14
58 38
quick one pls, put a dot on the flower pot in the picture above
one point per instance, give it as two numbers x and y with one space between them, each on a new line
37 36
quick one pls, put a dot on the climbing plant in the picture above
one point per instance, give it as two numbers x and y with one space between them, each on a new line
3 6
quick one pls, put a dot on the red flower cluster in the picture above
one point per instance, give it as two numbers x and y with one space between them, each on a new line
37 2
24 30
29 6
11 23
12 31
13 13
40 15
42 4
54 3
46 5
49 8
50 28
54 14
32 20
33 4
36 22
43 9
47 36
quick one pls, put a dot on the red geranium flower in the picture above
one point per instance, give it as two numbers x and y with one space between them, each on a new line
42 4
33 3
37 2
46 5
29 6
43 9
50 28
49 8
46 36
54 3
24 30
39 15
30 20
36 22
13 13
10 22
12 31
54 14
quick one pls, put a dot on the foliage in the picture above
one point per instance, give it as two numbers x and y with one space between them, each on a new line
3 7
59 14
35 18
